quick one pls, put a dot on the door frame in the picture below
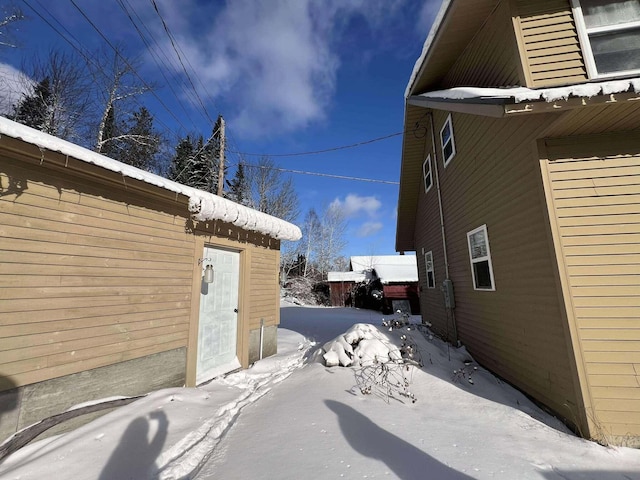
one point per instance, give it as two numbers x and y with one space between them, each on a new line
242 342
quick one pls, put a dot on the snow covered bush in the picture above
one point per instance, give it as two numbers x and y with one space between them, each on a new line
384 362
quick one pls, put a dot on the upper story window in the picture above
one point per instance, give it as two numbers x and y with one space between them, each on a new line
480 255
446 141
426 172
428 265
609 32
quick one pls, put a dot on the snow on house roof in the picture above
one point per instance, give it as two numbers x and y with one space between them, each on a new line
523 94
389 268
202 205
426 47
346 276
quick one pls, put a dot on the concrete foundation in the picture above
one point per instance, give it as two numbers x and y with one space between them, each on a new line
23 406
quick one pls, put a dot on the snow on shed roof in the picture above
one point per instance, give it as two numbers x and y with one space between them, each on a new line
202 205
346 276
389 268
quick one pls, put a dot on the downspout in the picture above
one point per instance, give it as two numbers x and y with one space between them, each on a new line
261 336
441 211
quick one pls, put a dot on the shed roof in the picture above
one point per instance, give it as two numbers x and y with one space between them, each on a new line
202 205
388 268
346 276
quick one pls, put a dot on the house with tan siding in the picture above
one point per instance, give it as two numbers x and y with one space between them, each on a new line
520 194
116 282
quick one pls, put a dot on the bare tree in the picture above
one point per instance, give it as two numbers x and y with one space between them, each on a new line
8 18
117 86
60 89
331 241
270 192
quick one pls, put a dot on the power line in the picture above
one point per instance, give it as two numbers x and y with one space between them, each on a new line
175 48
128 64
318 174
78 47
153 53
315 152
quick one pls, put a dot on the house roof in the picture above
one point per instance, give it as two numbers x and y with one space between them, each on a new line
510 100
453 30
444 45
202 205
388 268
346 277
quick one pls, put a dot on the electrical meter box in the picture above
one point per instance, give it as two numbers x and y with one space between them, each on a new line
447 290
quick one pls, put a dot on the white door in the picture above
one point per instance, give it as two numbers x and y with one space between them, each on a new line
218 323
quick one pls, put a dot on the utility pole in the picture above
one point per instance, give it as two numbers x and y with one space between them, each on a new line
221 163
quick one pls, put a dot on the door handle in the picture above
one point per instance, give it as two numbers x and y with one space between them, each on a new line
235 310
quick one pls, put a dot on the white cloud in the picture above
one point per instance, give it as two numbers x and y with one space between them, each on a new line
275 63
354 204
13 84
369 228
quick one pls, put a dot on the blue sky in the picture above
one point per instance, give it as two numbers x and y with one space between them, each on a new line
289 76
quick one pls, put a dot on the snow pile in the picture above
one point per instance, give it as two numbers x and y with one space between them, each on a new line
204 206
361 345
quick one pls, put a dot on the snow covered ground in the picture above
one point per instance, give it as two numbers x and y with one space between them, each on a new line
291 417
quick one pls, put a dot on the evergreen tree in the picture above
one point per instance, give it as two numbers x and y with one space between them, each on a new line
200 173
32 110
141 142
239 187
179 170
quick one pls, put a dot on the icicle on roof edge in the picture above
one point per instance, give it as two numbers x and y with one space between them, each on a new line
203 206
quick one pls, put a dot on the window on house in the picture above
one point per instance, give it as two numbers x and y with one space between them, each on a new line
480 256
446 141
431 276
426 172
610 35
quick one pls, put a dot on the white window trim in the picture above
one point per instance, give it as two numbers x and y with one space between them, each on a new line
585 43
424 174
445 161
426 270
481 259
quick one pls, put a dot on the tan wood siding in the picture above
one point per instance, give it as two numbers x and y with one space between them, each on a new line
264 288
491 58
517 331
548 42
597 210
89 277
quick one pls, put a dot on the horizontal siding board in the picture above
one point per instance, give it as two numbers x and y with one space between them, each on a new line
606 281
63 213
616 393
88 343
618 346
549 42
45 330
28 245
611 380
612 368
47 304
